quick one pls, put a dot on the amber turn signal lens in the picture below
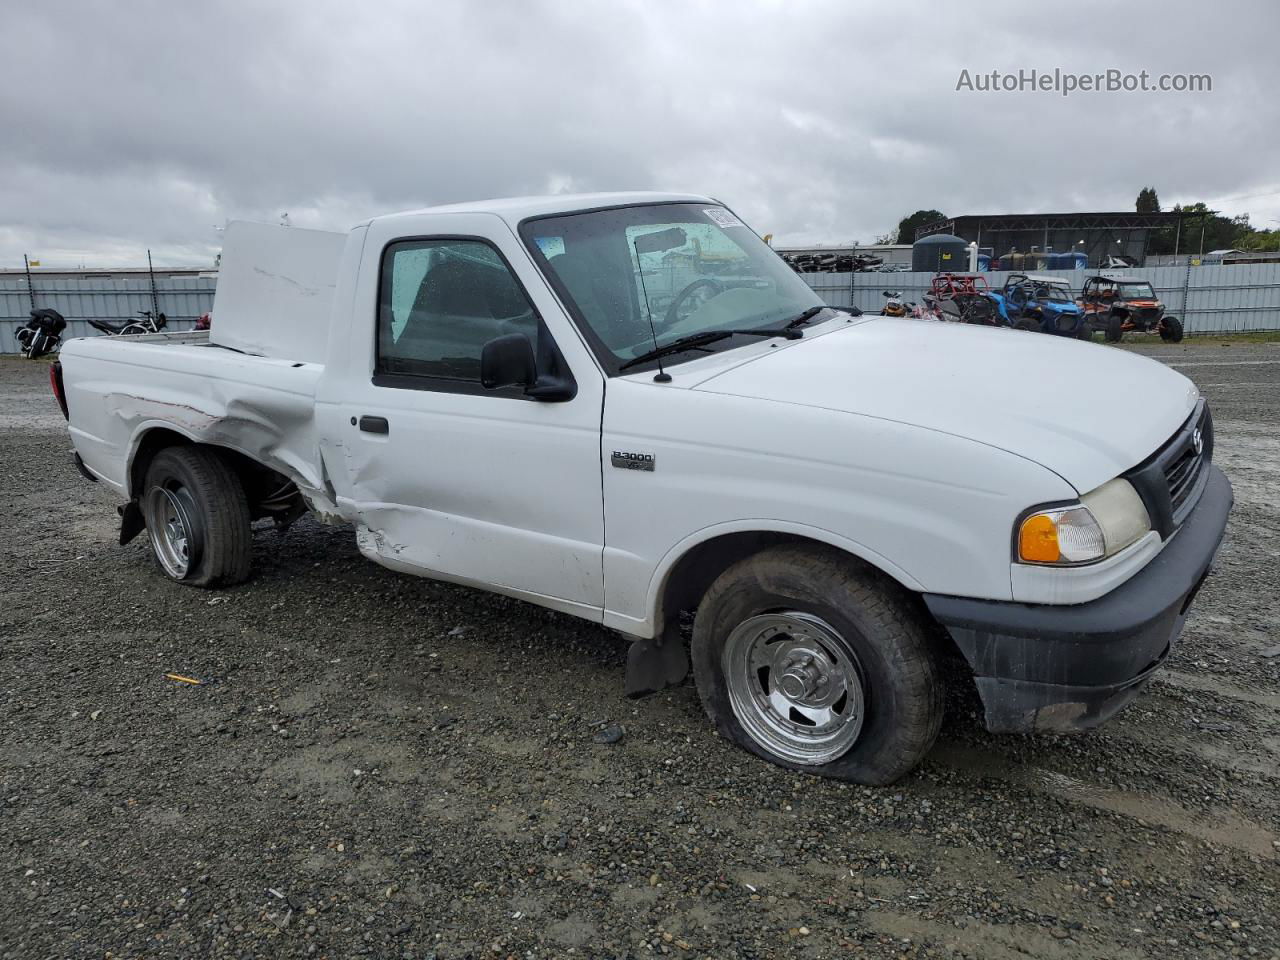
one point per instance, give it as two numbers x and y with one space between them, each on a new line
1038 540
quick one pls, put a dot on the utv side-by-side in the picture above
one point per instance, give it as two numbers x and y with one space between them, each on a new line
1118 305
1042 304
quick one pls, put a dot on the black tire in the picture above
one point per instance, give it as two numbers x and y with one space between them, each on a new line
1171 330
1028 324
1084 331
216 510
1115 329
901 680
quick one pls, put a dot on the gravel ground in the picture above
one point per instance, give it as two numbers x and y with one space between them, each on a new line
377 765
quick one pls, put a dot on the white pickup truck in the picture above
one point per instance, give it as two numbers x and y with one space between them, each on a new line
626 407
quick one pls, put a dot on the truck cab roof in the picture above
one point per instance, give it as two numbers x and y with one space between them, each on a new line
515 209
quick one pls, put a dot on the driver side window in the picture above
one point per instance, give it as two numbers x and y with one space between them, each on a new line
440 302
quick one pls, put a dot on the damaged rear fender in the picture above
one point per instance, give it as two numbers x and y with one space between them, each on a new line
152 436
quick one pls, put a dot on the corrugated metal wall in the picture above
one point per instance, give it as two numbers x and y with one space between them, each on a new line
1209 299
1218 299
181 299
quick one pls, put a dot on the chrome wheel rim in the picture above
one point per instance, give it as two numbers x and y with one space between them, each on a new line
796 686
169 509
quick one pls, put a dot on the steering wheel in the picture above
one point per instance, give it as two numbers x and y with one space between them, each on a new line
673 311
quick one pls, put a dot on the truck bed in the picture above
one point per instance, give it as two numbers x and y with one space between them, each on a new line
119 388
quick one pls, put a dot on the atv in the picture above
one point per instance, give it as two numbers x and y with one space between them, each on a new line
961 298
1118 305
1042 304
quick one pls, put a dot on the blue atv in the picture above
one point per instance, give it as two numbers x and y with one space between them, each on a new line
1042 304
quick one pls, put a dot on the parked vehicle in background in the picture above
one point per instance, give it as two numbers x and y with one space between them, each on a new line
41 334
962 298
529 396
1041 303
1035 260
893 305
1117 262
145 322
1118 305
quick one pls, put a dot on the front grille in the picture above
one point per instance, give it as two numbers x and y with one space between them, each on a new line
1181 475
1171 479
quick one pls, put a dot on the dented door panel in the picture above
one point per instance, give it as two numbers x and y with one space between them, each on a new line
479 487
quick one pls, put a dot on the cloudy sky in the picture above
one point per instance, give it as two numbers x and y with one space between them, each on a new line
131 125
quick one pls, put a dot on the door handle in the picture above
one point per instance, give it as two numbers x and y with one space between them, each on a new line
375 425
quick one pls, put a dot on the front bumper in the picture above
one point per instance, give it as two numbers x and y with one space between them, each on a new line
1052 667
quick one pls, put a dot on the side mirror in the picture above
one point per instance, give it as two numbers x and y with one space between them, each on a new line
508 362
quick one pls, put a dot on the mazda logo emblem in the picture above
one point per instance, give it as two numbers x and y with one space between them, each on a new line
1197 442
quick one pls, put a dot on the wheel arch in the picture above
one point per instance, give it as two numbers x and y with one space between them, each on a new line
148 440
153 437
691 566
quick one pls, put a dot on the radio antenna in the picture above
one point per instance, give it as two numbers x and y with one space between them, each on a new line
661 376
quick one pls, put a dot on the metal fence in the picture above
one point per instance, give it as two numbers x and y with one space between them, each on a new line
1209 299
1235 298
180 299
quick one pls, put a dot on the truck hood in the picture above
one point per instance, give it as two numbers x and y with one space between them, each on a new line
1086 411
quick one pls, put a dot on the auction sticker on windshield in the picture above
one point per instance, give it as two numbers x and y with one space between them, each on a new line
722 217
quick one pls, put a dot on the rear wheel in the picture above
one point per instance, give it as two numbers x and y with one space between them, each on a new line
1171 330
1084 331
1115 329
812 662
197 518
1029 324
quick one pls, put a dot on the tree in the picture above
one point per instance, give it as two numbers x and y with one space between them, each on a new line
1202 230
1147 201
907 226
1259 240
886 238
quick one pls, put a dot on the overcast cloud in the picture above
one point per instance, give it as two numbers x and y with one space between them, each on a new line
132 125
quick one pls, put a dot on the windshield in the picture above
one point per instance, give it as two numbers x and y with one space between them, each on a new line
1136 291
1054 292
687 268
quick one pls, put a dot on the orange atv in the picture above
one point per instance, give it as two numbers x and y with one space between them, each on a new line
1116 305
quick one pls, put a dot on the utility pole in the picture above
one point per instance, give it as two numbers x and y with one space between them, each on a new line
31 290
155 300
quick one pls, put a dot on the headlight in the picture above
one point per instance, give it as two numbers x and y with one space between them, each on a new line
1105 521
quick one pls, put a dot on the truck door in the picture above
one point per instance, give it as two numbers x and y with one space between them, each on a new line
445 476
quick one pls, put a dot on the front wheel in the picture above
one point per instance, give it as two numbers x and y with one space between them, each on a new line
197 518
1171 330
810 661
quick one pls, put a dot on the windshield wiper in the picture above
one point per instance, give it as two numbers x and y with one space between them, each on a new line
812 312
805 317
696 341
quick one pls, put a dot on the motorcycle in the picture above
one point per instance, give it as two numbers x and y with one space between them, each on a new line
894 306
146 323
42 334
